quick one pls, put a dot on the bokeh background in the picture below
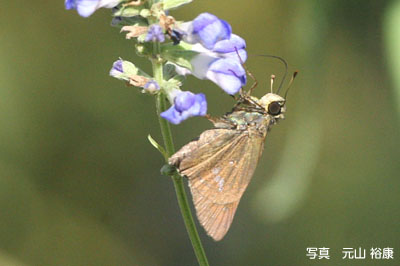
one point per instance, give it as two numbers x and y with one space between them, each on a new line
80 184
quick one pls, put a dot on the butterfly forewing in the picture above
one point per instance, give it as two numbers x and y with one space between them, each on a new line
219 166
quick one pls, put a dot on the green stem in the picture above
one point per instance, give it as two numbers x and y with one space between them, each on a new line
176 178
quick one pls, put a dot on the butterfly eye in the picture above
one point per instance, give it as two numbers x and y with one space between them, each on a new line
274 108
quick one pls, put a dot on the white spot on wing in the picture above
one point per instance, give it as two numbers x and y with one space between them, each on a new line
221 184
216 170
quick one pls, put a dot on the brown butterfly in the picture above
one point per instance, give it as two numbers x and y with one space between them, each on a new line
221 162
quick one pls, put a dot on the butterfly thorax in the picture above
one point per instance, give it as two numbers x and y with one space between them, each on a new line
242 120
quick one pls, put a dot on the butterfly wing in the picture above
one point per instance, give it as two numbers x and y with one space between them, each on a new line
219 166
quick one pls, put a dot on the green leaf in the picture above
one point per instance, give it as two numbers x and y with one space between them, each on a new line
158 147
145 13
128 11
129 21
129 68
169 71
169 4
142 38
176 81
173 84
144 49
178 54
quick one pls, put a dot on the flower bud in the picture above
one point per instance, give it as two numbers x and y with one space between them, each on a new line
151 87
155 34
127 71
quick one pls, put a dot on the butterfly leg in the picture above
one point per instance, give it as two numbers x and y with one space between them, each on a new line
212 119
248 73
255 82
220 122
239 100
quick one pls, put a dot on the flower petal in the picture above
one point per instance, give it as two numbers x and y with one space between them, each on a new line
186 104
70 4
228 74
241 58
201 64
229 45
172 116
155 33
117 70
231 48
184 101
151 86
201 100
109 3
206 29
86 8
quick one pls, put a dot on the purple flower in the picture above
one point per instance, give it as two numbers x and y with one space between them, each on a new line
117 70
186 104
127 71
227 48
228 74
155 33
86 8
206 29
151 86
222 64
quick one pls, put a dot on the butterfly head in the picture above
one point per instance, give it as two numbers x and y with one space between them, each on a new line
274 105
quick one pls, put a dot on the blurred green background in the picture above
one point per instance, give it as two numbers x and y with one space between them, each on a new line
80 184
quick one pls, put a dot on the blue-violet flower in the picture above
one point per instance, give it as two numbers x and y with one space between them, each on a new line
186 104
127 71
117 70
151 86
86 8
227 73
219 58
232 48
155 33
206 29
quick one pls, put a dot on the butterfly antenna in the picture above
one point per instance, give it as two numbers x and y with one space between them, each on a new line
290 83
286 68
272 83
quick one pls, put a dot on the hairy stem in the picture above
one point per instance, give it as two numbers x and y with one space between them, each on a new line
176 178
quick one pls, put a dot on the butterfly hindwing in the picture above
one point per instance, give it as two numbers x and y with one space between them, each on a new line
219 166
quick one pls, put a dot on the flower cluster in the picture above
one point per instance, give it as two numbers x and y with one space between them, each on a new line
205 48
